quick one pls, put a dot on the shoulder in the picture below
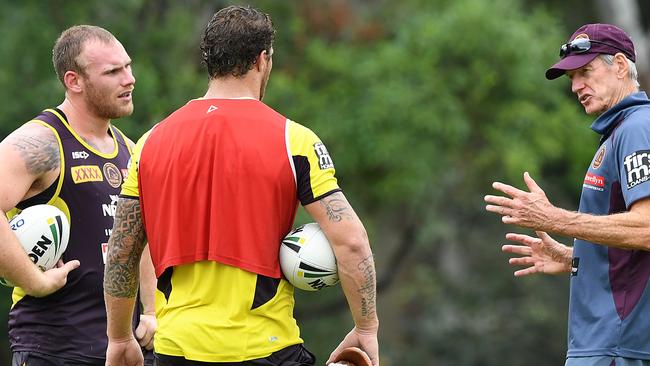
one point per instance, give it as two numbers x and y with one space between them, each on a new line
637 118
36 145
635 125
126 138
299 131
137 149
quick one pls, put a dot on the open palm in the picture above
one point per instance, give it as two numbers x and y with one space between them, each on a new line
541 255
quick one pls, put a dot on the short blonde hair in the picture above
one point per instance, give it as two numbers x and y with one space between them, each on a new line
70 44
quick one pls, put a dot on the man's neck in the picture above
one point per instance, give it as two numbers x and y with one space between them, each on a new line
626 90
82 121
233 87
90 128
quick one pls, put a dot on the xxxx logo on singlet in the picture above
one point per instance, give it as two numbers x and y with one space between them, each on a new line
86 173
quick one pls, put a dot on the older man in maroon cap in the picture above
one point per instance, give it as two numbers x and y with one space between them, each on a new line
609 262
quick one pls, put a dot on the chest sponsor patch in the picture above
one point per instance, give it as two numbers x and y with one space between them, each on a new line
324 159
593 181
637 168
113 175
86 173
80 155
598 159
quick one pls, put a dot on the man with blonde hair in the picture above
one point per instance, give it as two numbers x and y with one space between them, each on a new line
71 157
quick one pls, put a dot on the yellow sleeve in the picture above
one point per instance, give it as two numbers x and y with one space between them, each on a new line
315 173
130 187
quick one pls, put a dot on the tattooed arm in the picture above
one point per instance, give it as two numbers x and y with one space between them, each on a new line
29 163
356 269
121 280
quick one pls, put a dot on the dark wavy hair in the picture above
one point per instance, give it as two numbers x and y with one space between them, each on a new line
234 38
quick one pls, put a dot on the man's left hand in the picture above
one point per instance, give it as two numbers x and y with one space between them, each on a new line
145 331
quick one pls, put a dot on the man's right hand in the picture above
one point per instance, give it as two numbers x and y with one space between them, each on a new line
124 353
53 279
542 254
365 340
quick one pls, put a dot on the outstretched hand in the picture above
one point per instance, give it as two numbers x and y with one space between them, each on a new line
526 209
542 254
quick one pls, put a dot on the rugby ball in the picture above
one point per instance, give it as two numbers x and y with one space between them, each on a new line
307 259
43 231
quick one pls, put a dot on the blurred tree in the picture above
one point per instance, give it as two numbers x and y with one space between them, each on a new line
627 15
422 105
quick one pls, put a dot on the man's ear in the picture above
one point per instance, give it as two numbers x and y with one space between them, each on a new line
263 58
73 81
622 66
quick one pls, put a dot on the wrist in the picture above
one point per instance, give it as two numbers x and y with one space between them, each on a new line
38 287
367 329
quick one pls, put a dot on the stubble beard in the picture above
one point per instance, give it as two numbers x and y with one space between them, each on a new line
100 104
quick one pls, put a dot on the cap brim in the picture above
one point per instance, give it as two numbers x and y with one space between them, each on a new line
571 62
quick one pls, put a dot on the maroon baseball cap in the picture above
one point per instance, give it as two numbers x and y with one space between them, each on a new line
603 39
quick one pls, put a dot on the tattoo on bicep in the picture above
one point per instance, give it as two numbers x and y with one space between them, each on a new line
337 207
125 246
40 152
368 289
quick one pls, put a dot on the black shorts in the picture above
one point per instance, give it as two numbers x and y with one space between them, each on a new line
37 359
296 355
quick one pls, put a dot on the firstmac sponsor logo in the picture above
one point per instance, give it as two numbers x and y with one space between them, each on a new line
595 182
637 168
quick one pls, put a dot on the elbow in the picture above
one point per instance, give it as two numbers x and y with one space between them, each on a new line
352 244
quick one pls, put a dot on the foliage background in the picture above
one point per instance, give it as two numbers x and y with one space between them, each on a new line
422 104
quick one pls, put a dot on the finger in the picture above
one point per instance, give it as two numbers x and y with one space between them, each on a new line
59 264
140 332
332 357
149 345
507 189
525 272
530 182
498 200
336 351
543 235
71 265
522 261
524 239
517 249
507 219
505 211
147 341
144 334
518 237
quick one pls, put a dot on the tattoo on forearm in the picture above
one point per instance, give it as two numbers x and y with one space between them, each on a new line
368 289
337 207
40 152
121 275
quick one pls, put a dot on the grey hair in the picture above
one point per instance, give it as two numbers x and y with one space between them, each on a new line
632 73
